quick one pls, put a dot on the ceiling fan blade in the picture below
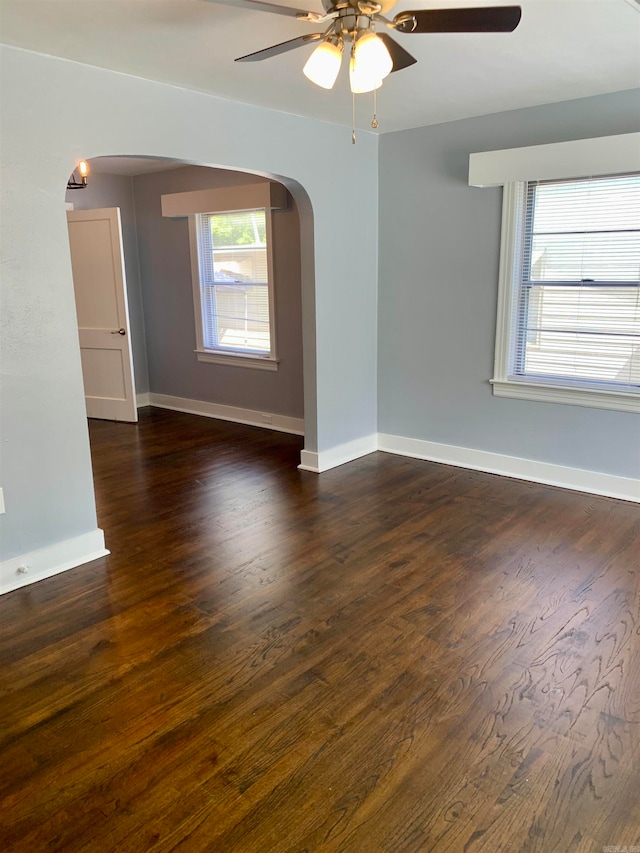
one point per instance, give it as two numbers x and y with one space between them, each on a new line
261 6
481 19
400 57
277 49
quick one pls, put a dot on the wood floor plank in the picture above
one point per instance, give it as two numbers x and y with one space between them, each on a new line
392 656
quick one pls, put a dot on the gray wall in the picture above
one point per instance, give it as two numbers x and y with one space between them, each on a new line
439 247
46 464
117 191
165 265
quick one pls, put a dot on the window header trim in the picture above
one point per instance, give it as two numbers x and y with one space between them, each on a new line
255 196
604 155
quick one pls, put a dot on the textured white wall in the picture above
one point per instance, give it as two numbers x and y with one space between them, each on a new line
55 112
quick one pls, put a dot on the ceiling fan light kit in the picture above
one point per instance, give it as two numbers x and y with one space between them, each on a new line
370 63
373 56
360 81
323 65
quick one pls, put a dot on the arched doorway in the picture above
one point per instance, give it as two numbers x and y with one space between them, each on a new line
163 315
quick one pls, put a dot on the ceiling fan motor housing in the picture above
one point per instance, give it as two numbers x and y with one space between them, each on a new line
358 6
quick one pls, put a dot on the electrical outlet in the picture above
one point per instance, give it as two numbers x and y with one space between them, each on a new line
267 419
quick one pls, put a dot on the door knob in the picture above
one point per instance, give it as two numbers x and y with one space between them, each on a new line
119 332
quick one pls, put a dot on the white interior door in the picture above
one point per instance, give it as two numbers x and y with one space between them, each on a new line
95 237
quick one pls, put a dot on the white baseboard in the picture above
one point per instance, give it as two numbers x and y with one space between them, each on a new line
592 482
577 479
327 459
266 420
51 560
143 400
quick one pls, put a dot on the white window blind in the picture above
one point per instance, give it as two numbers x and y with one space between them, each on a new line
578 299
234 281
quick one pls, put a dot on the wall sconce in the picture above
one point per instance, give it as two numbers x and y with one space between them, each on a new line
83 170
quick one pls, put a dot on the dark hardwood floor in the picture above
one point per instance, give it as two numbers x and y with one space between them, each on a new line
392 656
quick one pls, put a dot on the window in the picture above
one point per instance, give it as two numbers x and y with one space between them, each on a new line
233 287
569 307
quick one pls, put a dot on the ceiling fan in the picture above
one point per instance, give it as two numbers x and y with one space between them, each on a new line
373 55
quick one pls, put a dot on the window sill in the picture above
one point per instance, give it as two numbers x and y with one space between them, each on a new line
619 401
236 359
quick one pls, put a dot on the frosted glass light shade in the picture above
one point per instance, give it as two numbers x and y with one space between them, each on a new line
323 65
372 57
83 168
360 82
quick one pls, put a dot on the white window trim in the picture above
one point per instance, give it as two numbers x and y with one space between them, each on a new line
523 388
619 401
511 168
603 155
237 359
228 357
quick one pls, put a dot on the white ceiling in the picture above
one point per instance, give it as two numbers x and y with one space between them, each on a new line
562 49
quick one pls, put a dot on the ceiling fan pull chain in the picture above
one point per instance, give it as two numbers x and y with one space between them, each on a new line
374 120
353 118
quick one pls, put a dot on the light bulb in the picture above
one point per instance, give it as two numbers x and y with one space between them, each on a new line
83 168
372 58
361 82
323 65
